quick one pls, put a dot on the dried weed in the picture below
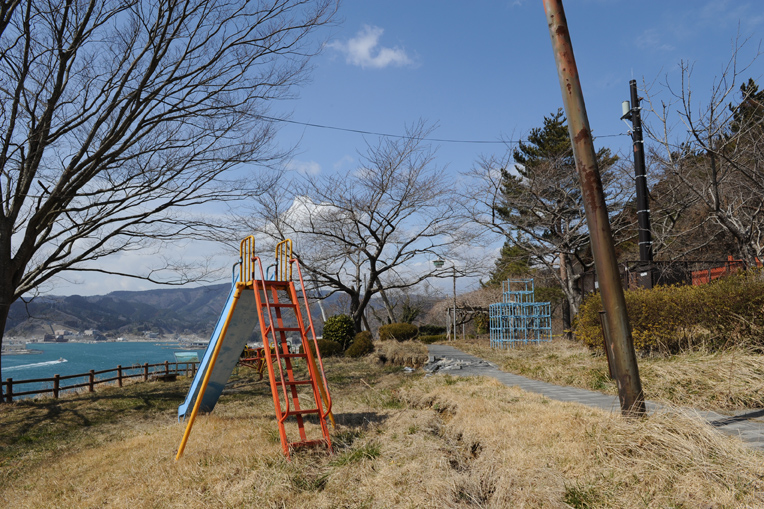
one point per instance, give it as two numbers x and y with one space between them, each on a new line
401 441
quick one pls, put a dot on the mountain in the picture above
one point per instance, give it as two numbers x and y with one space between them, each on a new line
184 311
165 311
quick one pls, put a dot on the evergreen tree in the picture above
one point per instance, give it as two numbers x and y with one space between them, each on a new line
514 261
542 207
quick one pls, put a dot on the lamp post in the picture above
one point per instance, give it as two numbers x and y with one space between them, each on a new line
438 265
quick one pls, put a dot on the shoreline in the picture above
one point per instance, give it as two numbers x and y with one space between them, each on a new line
19 351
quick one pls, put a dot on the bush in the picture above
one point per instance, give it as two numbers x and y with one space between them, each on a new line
428 339
431 330
398 332
326 347
361 346
339 328
668 319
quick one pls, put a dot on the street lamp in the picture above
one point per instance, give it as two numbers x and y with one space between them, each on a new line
439 265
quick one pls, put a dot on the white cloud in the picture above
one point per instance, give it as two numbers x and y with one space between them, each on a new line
343 162
304 167
364 50
651 40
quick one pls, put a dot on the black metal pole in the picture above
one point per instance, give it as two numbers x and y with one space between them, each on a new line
643 207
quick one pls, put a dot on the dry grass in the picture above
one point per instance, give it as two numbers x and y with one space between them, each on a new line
402 440
722 381
412 354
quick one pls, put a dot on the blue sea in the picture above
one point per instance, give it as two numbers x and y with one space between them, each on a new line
74 358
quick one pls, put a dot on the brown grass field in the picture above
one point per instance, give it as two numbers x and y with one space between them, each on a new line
402 440
724 380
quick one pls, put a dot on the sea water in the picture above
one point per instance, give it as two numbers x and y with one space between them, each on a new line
76 358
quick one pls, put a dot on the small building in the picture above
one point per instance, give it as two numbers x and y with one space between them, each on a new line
91 332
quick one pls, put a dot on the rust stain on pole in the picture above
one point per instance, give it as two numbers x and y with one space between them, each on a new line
601 238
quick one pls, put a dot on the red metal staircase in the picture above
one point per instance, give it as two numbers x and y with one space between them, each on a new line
299 389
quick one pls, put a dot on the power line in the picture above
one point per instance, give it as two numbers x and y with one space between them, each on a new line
400 136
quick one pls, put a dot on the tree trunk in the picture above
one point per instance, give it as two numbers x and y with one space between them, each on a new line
566 323
356 312
388 307
5 308
7 285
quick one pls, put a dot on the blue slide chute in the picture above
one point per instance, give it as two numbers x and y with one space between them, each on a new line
240 309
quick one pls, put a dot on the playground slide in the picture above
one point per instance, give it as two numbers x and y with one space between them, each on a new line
242 322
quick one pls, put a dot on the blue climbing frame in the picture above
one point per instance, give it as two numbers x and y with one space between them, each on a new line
519 319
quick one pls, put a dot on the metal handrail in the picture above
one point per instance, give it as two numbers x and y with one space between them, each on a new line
313 334
246 254
283 257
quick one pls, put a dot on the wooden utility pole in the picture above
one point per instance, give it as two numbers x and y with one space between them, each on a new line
601 237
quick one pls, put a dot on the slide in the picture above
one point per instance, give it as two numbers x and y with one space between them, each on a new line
242 323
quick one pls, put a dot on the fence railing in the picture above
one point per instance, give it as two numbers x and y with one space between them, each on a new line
145 371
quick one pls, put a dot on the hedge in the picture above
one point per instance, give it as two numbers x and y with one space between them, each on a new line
431 338
361 346
668 319
398 331
326 347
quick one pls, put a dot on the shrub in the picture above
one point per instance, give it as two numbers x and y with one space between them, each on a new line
398 332
428 339
431 330
339 328
667 319
326 347
361 346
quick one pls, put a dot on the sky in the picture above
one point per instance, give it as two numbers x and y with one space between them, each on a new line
482 72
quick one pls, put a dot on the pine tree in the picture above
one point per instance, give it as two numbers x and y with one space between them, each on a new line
542 204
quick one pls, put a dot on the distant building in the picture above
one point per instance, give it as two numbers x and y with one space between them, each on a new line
61 339
49 337
150 335
91 332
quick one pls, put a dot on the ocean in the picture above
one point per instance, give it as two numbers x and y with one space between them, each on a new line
74 358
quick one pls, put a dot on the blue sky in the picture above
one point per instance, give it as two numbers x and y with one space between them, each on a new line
484 71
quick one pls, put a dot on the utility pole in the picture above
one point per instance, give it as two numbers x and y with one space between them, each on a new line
454 301
633 113
601 238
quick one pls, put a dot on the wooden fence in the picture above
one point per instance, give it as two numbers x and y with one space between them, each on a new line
165 369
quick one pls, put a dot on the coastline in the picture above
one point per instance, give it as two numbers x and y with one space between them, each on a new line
21 351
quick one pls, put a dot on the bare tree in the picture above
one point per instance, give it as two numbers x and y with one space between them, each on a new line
709 155
471 307
375 229
117 118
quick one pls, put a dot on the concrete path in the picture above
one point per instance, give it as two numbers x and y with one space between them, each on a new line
749 425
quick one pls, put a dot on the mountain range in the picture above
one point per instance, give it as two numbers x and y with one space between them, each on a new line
183 311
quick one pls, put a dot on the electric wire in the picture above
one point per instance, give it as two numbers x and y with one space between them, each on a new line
404 137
